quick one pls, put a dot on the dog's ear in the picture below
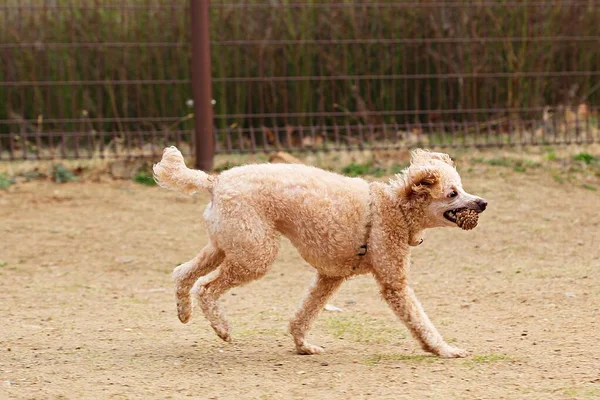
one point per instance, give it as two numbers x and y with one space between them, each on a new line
423 180
423 157
418 180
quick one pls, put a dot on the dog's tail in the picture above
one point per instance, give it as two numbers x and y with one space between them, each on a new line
171 173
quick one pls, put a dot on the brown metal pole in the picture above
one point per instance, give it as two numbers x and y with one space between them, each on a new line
202 85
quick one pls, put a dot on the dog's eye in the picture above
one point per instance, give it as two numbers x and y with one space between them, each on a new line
453 194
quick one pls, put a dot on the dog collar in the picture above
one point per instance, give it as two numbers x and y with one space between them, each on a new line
362 250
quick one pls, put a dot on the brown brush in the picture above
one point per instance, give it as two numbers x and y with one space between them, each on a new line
467 219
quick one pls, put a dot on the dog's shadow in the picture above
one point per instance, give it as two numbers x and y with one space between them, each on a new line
239 357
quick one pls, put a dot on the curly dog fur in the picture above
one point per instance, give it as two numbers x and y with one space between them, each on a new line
330 219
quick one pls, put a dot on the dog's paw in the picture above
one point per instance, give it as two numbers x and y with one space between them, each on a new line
452 352
309 349
184 308
224 332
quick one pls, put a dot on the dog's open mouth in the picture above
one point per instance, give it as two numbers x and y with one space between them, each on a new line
465 218
451 215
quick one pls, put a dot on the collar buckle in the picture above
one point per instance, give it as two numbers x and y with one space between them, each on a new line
362 250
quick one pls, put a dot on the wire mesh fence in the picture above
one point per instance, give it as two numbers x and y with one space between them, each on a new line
111 80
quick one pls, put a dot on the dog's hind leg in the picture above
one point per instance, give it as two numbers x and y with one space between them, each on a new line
321 290
186 274
244 263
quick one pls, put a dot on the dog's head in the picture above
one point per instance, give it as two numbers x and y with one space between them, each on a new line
432 182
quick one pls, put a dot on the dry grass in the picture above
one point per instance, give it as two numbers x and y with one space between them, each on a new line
519 40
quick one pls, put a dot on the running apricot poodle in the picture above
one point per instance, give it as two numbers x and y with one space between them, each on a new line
341 226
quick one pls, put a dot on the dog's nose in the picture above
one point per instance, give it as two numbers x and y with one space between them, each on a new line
482 204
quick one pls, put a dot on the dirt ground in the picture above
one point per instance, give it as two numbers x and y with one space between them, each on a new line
88 309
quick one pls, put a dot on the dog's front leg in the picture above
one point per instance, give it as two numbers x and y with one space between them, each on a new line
406 306
322 289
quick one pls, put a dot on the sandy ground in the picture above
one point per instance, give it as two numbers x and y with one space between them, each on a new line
88 312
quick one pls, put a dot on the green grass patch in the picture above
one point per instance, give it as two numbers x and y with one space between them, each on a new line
361 169
134 300
499 162
354 169
532 164
32 175
488 358
397 168
3 264
378 172
517 165
558 178
362 329
581 392
5 181
551 156
522 165
225 167
61 174
144 178
586 158
589 187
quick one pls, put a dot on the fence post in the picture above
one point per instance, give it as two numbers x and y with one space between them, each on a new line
202 85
